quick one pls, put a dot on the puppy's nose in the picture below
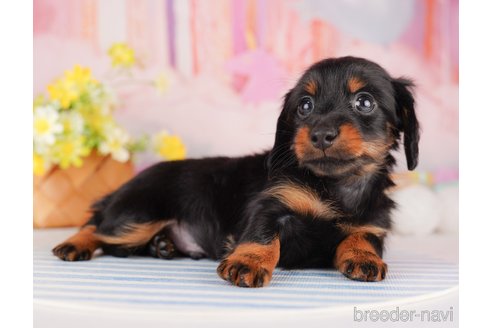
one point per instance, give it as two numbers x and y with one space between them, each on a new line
323 138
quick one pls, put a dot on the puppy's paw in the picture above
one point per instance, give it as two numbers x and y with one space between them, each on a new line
364 267
162 247
68 251
244 273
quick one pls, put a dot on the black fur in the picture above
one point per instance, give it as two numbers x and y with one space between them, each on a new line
216 198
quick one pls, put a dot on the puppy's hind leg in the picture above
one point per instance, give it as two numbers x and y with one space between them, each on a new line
127 237
127 241
161 246
80 246
84 243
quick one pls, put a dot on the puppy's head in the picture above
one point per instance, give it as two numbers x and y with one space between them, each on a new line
343 117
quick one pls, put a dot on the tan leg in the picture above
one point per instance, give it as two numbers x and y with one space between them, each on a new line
250 264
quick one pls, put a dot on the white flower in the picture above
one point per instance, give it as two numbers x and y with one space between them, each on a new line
46 125
104 97
72 122
115 144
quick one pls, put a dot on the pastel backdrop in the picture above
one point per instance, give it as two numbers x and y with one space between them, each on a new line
226 64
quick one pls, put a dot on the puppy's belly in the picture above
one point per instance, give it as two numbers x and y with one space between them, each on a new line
183 240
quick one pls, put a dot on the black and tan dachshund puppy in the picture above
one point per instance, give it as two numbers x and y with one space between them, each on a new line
317 199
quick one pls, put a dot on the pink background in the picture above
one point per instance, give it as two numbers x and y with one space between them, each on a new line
229 62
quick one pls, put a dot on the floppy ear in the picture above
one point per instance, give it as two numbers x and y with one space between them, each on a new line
407 120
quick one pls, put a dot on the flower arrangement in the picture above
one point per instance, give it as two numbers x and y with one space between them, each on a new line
77 118
80 152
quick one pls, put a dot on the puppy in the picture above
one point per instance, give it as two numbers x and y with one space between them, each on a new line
317 199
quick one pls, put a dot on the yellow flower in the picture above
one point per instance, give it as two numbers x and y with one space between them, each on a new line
46 125
169 146
63 92
41 164
80 76
95 118
115 143
121 55
68 88
39 101
69 151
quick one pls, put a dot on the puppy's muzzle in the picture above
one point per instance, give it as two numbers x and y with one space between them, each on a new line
323 137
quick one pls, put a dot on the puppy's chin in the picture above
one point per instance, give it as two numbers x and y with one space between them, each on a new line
337 167
326 167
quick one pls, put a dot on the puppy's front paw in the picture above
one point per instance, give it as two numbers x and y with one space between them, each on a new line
250 264
364 267
244 273
70 252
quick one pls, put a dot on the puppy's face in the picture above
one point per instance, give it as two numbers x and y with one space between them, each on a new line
343 117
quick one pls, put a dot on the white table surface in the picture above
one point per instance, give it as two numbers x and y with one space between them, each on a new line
438 246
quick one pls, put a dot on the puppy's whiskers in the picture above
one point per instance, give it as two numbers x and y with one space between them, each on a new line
282 153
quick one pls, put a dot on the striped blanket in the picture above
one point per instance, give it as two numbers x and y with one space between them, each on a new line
154 284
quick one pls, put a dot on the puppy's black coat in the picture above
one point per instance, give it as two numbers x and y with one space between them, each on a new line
317 199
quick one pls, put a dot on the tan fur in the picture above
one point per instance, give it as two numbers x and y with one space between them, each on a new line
356 250
355 84
376 149
302 142
351 229
134 234
354 243
260 260
302 200
311 87
83 240
351 140
269 254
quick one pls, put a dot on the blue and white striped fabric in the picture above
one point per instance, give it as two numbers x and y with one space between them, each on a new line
146 283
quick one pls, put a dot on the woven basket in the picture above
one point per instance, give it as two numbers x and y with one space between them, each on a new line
62 198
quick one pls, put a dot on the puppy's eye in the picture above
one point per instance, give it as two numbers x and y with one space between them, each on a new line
364 103
306 106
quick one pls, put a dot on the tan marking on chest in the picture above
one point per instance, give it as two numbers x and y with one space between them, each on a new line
303 200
